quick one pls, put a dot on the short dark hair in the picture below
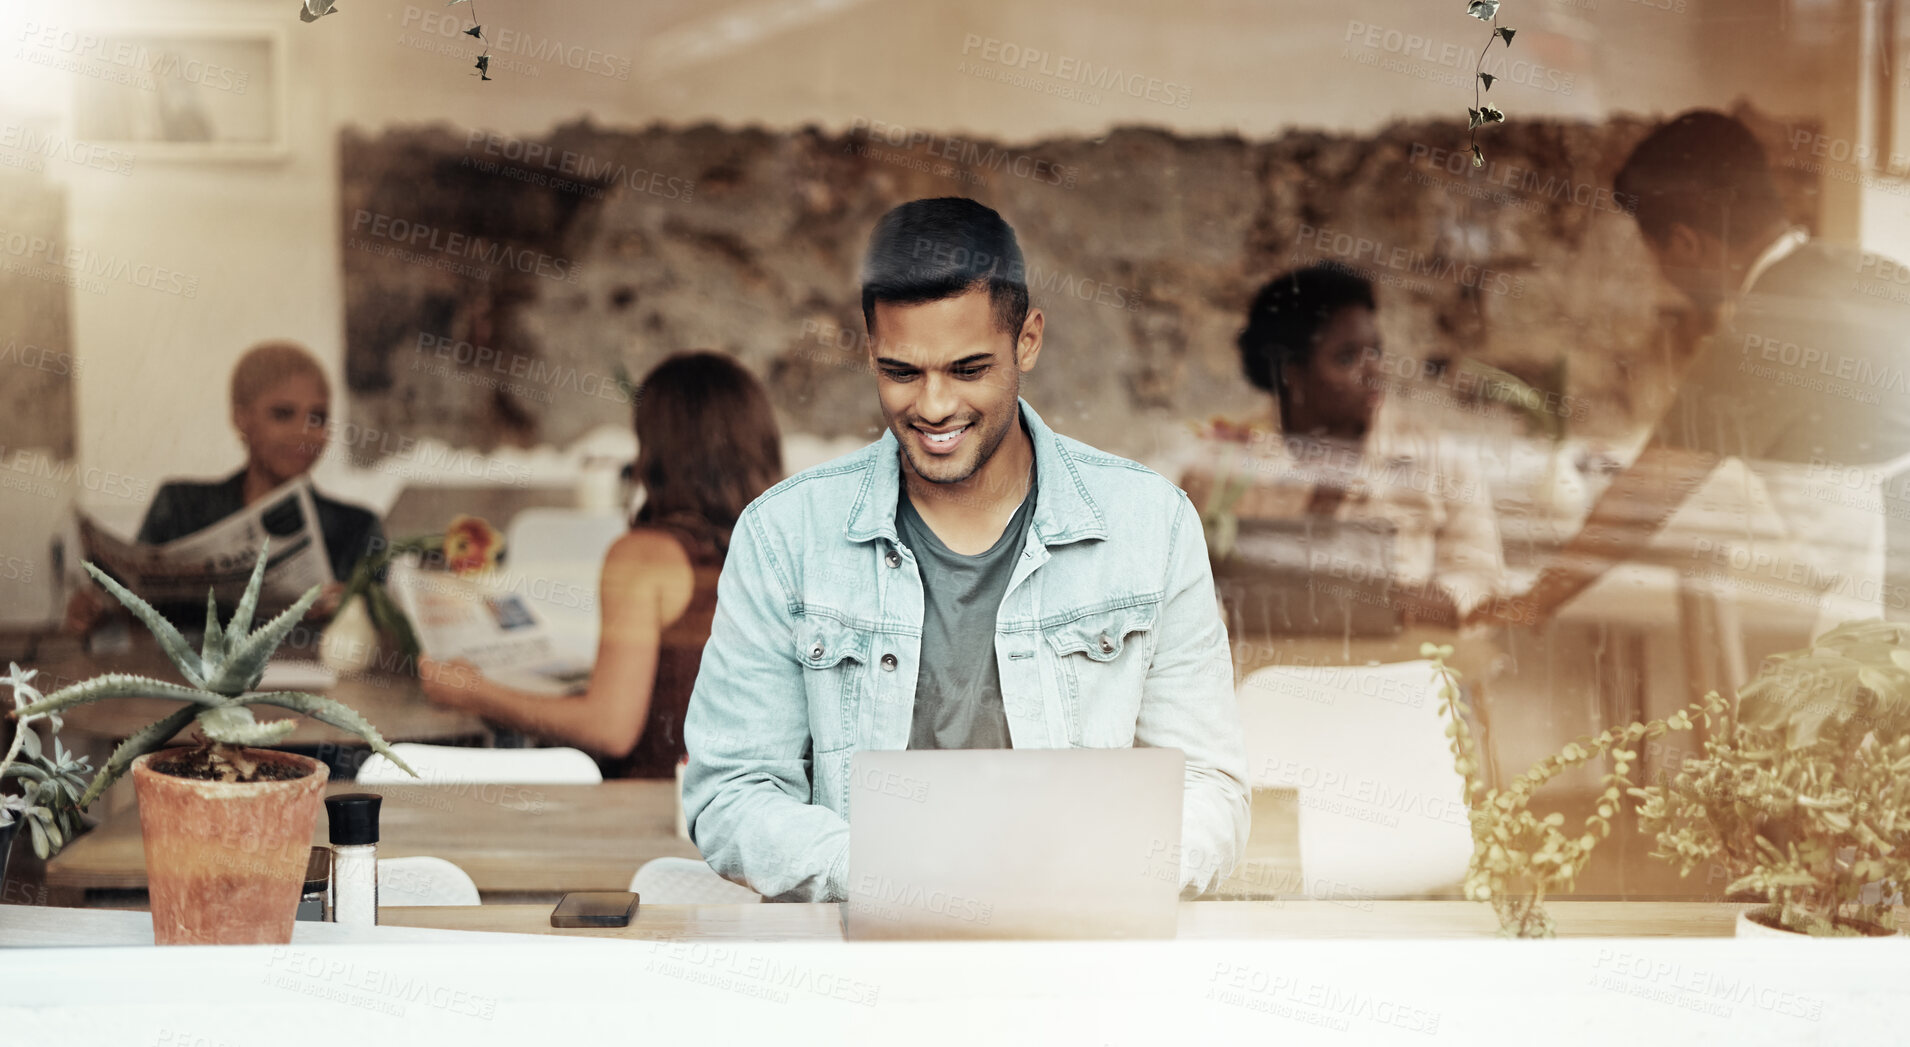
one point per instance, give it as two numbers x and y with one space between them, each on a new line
1702 169
929 250
1287 314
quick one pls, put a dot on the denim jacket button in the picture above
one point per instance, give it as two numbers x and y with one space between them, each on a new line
816 651
892 559
1107 645
888 661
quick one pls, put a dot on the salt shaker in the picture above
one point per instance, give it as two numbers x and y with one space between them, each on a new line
354 832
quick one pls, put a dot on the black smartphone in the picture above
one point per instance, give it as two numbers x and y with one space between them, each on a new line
595 909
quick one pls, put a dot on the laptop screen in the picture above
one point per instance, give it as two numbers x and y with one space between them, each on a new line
1022 843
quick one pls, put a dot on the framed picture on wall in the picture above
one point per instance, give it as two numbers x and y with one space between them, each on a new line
170 93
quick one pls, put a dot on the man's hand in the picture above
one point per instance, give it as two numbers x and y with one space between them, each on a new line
1618 528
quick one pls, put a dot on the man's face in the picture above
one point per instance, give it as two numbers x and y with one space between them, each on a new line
948 377
1695 263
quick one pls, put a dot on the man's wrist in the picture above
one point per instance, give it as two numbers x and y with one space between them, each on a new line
835 886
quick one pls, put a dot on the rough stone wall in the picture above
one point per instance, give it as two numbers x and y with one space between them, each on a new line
526 272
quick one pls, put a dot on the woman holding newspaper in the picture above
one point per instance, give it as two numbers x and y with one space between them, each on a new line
281 407
707 445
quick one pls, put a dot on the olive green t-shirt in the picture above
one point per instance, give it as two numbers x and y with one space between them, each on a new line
958 683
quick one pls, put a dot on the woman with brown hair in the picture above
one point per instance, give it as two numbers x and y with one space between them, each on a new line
707 445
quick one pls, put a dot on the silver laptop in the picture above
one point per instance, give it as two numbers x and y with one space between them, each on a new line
1014 843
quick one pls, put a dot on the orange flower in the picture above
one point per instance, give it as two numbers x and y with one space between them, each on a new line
471 545
1226 430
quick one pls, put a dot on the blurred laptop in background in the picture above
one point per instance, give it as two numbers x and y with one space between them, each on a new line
1311 576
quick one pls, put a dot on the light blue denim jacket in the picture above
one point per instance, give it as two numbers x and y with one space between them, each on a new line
1108 637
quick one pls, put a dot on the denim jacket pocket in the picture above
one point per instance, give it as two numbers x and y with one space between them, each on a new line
835 661
1103 659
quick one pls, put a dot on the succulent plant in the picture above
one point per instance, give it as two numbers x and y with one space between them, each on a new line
222 675
51 782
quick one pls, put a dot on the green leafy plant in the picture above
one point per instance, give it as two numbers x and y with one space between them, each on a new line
365 584
1857 673
467 546
1805 797
51 783
1519 857
221 675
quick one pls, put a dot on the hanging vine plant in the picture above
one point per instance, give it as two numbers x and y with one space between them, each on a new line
313 10
1480 114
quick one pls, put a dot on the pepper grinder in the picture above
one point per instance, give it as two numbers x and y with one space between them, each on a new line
353 818
318 884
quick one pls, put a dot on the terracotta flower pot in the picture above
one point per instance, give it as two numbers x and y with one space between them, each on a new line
225 861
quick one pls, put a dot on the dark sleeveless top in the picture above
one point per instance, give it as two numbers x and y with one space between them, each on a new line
679 654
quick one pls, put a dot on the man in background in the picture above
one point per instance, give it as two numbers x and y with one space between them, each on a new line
1803 376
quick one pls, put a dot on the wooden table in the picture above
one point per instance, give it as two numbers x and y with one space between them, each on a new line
547 839
532 843
771 922
511 839
1201 920
394 703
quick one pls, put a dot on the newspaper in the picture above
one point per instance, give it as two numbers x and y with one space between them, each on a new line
220 558
494 629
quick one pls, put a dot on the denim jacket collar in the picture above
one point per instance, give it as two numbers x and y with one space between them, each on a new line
1064 511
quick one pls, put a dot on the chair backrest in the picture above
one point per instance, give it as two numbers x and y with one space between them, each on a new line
687 881
1380 804
449 764
545 534
423 881
563 551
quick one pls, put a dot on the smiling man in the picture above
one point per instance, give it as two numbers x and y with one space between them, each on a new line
971 580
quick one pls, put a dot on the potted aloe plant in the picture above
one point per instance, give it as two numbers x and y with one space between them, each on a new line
1804 797
227 824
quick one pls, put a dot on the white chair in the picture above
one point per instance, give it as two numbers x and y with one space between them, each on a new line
687 881
563 550
545 534
1380 805
423 881
450 764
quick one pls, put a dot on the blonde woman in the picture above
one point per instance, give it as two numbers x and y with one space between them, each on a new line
281 407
